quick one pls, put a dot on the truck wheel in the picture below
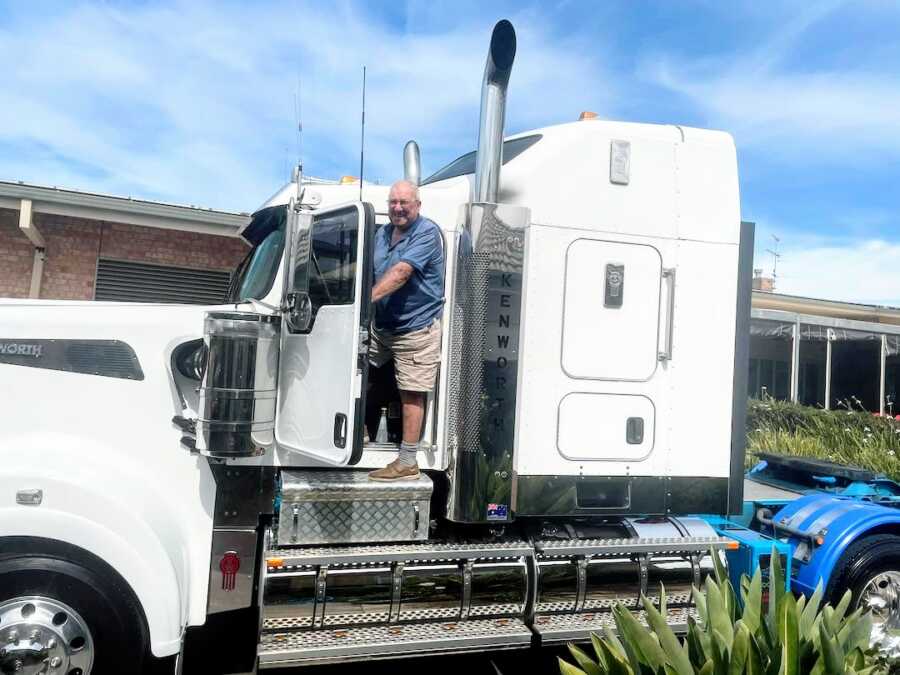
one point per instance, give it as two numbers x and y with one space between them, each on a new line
61 614
870 568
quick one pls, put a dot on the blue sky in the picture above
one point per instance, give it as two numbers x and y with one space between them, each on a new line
196 102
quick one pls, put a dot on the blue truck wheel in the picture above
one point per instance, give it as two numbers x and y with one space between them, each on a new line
870 569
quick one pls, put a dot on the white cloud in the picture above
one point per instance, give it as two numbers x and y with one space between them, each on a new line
830 111
836 269
815 113
194 102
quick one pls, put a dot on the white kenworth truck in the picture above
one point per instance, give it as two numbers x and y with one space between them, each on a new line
185 487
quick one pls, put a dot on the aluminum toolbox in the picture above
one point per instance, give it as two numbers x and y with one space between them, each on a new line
345 507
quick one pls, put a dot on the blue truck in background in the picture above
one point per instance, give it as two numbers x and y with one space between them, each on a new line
832 525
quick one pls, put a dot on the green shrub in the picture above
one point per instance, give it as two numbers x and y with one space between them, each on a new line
786 637
843 436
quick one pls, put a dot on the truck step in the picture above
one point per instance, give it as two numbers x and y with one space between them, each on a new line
577 627
655 546
311 647
286 558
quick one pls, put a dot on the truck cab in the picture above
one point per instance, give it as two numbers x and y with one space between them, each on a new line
603 313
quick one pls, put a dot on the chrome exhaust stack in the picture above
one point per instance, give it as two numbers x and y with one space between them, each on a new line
485 319
497 70
412 166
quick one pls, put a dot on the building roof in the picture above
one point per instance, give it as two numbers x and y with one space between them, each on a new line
95 206
830 308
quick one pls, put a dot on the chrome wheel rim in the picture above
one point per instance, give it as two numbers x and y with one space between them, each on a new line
881 596
43 636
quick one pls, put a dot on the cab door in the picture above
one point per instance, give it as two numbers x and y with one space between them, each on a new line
323 364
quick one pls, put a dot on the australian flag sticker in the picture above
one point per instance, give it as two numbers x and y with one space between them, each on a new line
497 511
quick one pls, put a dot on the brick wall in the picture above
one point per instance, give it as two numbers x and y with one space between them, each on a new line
71 256
16 257
75 244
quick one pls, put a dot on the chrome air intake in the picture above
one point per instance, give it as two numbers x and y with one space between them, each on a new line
237 391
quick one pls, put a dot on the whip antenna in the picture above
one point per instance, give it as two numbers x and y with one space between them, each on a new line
362 136
298 112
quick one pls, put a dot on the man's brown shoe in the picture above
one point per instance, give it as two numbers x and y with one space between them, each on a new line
395 471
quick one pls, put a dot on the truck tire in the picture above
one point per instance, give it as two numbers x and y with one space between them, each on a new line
63 611
868 568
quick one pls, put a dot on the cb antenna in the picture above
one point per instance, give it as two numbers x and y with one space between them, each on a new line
775 256
298 112
297 172
362 136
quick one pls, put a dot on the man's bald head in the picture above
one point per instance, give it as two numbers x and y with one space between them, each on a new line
403 204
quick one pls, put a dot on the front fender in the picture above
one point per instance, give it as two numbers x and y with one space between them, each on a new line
98 500
843 522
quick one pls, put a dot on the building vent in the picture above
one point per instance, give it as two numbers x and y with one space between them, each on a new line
122 281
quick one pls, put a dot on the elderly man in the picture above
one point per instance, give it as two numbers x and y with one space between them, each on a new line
409 297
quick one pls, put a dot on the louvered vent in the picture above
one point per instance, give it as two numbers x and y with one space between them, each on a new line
139 282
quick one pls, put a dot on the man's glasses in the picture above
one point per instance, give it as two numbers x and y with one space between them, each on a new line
400 202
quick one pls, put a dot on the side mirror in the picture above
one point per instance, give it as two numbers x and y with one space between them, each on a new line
298 312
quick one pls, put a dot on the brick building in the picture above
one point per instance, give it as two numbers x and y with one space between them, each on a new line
69 245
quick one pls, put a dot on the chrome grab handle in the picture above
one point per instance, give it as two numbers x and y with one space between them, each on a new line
295 522
669 275
416 518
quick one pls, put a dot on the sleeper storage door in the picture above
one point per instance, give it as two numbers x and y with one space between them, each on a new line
611 351
323 367
612 311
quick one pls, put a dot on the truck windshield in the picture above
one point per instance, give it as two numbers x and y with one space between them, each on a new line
254 276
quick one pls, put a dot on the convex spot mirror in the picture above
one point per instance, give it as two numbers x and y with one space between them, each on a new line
299 312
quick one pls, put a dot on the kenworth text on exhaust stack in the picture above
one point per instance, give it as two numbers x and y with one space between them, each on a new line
186 487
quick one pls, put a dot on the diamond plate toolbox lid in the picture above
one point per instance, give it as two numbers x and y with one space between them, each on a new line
345 507
349 486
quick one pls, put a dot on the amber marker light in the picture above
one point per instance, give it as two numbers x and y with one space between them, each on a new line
587 115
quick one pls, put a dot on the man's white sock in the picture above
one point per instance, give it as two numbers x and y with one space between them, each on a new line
407 454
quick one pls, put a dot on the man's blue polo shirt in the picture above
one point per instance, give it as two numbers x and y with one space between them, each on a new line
421 299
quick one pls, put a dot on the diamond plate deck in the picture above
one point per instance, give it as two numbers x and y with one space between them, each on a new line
626 546
277 650
347 555
568 627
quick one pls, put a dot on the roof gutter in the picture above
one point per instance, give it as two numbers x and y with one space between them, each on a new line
832 308
71 203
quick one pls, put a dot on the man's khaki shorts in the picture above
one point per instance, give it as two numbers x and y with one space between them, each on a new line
416 355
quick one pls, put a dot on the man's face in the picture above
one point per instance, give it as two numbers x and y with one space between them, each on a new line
403 207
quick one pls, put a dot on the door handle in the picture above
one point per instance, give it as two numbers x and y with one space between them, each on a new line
340 430
669 275
362 347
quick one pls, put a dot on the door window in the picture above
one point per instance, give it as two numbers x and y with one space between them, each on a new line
329 271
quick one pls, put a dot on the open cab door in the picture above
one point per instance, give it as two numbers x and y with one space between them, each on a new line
324 334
